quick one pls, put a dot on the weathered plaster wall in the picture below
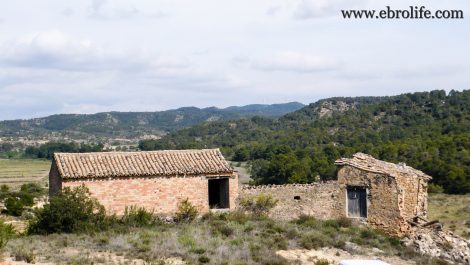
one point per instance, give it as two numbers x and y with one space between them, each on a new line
154 193
318 199
384 196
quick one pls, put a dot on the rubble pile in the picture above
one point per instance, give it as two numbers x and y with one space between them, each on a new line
440 244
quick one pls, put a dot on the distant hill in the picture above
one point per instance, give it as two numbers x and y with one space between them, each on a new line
134 124
427 130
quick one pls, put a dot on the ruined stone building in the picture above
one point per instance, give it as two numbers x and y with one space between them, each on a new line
156 180
387 195
382 194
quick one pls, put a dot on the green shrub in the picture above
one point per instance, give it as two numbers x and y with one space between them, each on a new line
435 188
322 262
138 216
344 222
314 240
238 217
6 233
26 199
204 259
331 223
258 205
368 234
33 189
222 227
24 254
4 191
14 206
308 221
70 211
199 251
186 212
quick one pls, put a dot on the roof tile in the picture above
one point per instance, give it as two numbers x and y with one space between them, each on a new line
148 163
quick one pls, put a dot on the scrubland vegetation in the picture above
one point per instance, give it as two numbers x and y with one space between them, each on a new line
74 229
453 211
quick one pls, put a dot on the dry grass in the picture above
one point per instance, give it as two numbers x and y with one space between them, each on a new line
15 172
216 239
451 210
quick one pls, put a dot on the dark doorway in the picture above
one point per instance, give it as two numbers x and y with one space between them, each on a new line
357 202
218 193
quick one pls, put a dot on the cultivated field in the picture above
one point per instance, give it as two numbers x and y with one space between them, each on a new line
14 172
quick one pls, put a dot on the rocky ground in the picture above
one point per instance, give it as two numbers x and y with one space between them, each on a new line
442 244
335 255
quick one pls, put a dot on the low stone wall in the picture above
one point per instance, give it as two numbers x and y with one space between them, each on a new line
318 199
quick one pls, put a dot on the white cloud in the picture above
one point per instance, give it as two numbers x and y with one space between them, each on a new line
111 54
294 62
55 50
307 9
104 9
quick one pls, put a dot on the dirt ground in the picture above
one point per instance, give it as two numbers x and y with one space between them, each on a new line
334 256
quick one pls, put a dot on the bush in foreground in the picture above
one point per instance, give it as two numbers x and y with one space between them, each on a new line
138 217
6 233
186 212
17 201
72 210
258 205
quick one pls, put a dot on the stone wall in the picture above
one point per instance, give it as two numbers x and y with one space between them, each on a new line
317 199
414 196
383 199
161 194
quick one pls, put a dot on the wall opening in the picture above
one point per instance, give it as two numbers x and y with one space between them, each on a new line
357 202
218 193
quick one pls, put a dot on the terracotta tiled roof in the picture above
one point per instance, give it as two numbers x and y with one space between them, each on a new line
135 164
369 163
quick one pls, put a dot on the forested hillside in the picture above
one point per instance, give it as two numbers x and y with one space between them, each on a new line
429 131
134 124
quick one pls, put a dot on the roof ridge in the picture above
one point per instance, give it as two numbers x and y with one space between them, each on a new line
139 152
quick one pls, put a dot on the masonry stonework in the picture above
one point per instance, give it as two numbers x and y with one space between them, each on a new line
317 199
382 198
395 193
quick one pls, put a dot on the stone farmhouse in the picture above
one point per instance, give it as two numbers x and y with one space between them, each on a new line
156 180
384 195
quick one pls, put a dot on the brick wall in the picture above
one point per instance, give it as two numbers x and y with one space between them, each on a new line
161 194
317 199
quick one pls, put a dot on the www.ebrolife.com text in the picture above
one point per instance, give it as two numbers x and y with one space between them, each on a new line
413 12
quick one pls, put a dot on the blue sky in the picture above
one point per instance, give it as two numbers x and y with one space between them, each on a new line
101 55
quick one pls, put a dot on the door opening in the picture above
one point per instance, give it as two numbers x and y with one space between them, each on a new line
218 193
357 202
